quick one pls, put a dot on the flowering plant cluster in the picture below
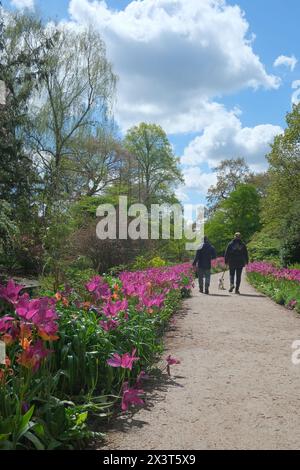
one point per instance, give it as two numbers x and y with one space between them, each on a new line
281 284
28 326
267 269
218 264
92 342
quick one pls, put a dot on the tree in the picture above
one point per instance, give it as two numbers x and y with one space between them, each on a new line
154 170
22 56
284 173
78 89
94 163
218 232
230 173
240 212
290 243
261 182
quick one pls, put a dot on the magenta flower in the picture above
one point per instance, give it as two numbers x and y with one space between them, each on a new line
6 323
267 269
109 325
41 313
32 357
131 397
125 360
98 288
11 292
156 301
172 360
111 309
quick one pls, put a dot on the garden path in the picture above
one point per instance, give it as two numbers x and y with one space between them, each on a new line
236 386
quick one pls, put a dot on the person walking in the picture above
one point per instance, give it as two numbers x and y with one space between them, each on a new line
203 263
236 256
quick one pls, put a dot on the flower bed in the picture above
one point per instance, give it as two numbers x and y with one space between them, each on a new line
218 265
281 284
80 351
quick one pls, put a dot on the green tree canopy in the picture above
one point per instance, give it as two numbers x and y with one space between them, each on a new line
281 210
155 169
230 173
238 213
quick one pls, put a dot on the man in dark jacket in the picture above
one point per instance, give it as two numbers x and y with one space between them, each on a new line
203 261
236 256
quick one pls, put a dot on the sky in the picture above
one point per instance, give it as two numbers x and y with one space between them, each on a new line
218 75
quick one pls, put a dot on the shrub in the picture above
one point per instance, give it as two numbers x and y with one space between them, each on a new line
156 262
263 247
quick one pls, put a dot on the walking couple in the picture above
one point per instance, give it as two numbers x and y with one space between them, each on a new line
236 257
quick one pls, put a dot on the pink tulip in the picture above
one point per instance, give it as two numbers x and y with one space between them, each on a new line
111 309
131 397
11 292
172 360
32 357
125 360
98 288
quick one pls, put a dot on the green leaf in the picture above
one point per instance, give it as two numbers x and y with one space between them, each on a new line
35 441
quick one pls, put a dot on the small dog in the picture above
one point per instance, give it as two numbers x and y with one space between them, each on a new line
221 282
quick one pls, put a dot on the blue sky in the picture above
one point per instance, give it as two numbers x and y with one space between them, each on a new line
203 69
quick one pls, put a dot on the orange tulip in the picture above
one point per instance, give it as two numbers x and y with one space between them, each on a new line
58 296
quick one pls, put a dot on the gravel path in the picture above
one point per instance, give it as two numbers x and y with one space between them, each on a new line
236 387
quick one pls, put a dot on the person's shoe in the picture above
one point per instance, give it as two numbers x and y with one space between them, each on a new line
237 291
201 290
207 291
231 288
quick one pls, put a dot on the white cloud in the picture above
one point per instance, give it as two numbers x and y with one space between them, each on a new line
181 194
23 4
174 56
227 138
198 180
286 61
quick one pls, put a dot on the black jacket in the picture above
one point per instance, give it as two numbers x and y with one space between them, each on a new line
236 255
204 256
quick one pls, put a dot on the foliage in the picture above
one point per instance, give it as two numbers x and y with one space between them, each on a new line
263 246
290 245
78 84
230 173
155 168
238 213
281 205
8 229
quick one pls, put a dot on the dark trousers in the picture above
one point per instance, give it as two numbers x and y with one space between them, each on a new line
235 272
204 273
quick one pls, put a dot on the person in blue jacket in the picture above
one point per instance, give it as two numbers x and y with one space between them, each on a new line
202 260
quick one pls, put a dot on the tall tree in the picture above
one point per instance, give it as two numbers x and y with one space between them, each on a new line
230 173
239 212
154 168
282 201
22 57
78 89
